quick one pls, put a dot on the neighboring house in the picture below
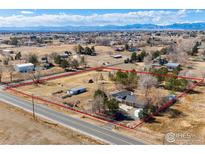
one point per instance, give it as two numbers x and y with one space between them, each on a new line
119 49
7 52
132 49
76 91
64 55
128 98
24 68
172 66
161 60
117 56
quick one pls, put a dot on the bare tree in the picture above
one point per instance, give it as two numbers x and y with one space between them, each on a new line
101 76
95 78
10 69
191 74
52 56
83 61
146 82
156 97
98 104
1 72
35 75
148 60
202 73
179 51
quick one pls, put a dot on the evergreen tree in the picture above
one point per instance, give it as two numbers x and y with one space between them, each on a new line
18 56
57 59
134 56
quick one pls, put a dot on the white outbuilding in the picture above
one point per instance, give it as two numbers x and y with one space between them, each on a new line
24 68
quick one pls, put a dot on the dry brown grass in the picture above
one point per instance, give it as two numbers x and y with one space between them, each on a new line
18 127
191 120
47 89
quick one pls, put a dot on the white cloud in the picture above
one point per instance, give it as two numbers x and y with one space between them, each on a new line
198 11
160 17
26 12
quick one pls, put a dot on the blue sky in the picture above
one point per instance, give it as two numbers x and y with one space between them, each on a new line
102 17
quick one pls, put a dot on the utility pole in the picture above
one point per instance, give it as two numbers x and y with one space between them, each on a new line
33 108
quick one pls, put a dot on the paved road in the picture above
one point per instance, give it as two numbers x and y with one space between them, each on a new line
77 124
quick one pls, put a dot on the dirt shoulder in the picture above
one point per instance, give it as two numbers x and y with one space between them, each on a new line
19 127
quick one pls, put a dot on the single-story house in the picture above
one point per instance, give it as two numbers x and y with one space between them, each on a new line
132 49
172 66
76 91
119 49
128 98
7 52
160 60
24 68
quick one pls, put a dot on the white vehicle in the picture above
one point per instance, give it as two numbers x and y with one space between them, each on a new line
106 64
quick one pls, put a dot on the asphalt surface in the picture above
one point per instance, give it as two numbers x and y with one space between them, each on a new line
79 125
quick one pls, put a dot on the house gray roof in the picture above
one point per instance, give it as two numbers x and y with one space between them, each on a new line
172 64
122 94
131 99
128 98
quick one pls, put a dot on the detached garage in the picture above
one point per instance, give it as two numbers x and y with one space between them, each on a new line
24 68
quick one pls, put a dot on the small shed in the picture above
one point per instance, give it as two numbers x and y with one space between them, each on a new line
24 68
76 90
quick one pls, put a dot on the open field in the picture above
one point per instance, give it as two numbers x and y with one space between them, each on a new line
47 89
19 127
104 53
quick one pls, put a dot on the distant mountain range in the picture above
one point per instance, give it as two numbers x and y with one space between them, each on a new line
176 26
